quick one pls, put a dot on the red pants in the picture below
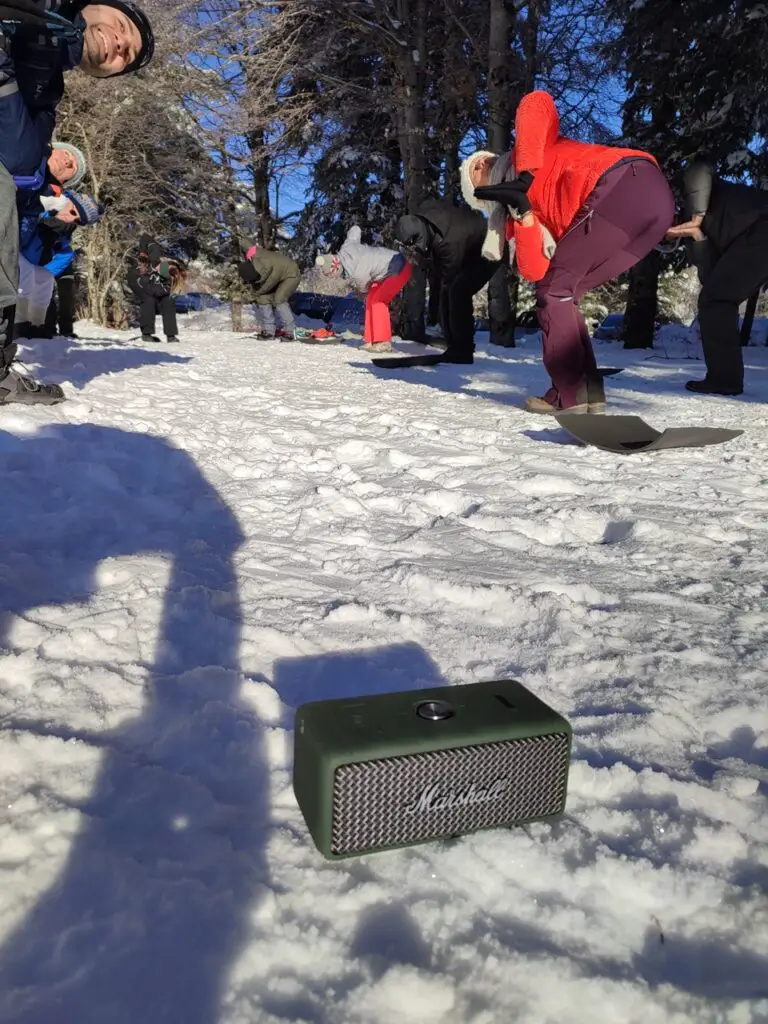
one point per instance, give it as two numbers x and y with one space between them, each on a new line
378 326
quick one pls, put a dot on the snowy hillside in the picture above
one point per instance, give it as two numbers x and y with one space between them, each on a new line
205 536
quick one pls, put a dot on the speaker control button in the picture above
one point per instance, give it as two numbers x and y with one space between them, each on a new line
435 710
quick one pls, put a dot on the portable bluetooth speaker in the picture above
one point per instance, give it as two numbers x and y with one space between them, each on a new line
397 769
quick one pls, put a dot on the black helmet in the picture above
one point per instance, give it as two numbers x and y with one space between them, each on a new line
141 21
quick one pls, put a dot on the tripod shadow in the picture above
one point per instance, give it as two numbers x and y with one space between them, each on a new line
152 904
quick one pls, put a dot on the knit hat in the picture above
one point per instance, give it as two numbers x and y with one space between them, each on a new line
329 265
88 210
82 167
503 169
141 21
467 188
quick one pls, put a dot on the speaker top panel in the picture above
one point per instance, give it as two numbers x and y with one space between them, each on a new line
434 718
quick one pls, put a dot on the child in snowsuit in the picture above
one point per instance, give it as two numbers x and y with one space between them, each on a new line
450 239
377 273
274 277
576 215
151 282
65 169
50 239
726 233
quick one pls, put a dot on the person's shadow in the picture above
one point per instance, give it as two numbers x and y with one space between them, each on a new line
153 902
62 361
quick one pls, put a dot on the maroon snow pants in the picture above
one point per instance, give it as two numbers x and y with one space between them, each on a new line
625 216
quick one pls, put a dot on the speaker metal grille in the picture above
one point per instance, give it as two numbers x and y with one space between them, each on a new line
400 800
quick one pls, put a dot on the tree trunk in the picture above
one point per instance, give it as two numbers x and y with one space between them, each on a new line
642 302
452 167
260 165
237 315
413 137
412 60
450 125
500 311
230 207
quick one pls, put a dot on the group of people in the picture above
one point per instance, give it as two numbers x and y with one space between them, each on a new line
568 215
571 216
39 207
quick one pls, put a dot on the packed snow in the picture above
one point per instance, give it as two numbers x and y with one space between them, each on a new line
204 536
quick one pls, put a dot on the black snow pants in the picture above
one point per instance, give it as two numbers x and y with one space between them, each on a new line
736 275
166 307
457 316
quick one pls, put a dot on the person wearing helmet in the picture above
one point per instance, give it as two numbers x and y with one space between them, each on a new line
39 41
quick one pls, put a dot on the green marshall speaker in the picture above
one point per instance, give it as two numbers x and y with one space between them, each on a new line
395 769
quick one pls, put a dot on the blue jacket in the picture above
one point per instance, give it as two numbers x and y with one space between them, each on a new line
33 59
48 247
61 261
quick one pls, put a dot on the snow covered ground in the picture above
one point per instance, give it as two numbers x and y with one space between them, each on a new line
207 535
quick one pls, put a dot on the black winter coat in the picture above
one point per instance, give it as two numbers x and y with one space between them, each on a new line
457 235
729 210
147 283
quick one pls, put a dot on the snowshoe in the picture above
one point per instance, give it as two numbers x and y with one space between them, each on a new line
432 359
16 388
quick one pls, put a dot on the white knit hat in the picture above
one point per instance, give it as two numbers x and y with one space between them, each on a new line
503 169
79 158
467 188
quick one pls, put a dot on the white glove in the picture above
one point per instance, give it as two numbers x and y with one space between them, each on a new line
51 203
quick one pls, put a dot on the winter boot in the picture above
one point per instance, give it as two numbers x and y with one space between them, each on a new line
378 346
14 387
23 330
708 387
151 337
172 339
596 396
462 357
550 404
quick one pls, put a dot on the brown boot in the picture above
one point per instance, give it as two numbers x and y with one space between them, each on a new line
549 405
596 396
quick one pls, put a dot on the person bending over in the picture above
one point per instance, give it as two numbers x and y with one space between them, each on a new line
726 235
449 239
151 281
576 215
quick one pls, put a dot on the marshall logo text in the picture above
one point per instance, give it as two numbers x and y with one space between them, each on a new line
432 799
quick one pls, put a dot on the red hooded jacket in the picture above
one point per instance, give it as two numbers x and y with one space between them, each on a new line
565 173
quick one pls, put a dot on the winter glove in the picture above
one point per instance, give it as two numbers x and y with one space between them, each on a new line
54 203
164 271
510 193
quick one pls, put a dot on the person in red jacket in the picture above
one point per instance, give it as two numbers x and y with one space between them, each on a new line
575 215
